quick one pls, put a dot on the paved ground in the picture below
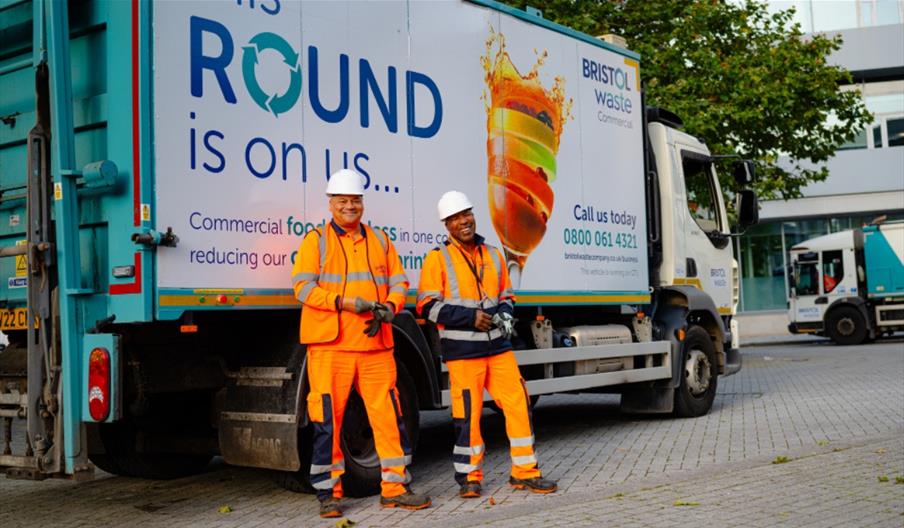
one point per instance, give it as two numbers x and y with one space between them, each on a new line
835 413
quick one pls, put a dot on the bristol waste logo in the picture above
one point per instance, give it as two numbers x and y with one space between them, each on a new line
277 104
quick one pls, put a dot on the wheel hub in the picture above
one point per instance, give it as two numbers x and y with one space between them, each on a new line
846 326
697 371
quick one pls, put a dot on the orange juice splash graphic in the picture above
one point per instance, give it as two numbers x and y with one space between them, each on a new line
524 123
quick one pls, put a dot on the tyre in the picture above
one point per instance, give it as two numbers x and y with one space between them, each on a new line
362 465
299 481
846 326
699 375
120 441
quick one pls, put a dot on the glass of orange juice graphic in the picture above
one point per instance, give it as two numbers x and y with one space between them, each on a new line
524 123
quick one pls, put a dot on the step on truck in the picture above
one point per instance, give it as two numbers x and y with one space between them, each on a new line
161 161
849 286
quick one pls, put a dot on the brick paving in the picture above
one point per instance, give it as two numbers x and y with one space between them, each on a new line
836 412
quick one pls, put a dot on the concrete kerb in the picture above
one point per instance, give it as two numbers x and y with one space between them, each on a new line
501 513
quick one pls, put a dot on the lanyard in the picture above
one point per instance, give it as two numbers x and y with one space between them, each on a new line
473 268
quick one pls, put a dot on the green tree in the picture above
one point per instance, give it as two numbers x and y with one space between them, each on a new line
743 80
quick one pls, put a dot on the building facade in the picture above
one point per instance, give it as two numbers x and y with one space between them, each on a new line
866 176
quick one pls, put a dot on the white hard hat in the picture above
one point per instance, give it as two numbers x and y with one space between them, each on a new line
452 202
345 181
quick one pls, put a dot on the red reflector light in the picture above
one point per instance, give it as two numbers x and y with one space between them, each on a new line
188 329
99 384
222 299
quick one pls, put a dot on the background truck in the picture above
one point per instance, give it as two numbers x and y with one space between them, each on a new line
849 286
161 161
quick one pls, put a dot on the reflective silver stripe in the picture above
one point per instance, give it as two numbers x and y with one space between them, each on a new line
467 335
465 468
380 280
381 236
315 469
434 311
494 253
524 441
326 484
506 293
524 460
488 303
389 476
463 450
450 272
393 462
467 303
334 278
322 237
358 276
435 294
306 290
398 279
304 276
397 289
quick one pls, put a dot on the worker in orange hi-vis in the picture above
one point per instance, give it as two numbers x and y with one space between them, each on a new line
351 282
465 289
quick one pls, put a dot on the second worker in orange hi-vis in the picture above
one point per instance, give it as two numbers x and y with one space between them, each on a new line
465 289
351 283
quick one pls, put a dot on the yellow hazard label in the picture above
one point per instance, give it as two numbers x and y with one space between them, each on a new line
21 261
58 191
145 212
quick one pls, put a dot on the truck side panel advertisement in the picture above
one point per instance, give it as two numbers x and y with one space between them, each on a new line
256 106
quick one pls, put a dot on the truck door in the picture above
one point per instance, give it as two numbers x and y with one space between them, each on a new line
805 289
708 252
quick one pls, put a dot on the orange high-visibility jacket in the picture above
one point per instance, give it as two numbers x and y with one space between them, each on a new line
331 265
453 286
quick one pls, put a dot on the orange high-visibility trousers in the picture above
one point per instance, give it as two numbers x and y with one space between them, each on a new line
500 376
331 375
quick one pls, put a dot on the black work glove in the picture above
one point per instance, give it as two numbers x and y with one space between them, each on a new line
381 314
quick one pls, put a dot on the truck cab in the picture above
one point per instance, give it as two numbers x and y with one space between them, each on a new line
695 236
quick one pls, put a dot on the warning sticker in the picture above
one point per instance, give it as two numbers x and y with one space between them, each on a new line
21 262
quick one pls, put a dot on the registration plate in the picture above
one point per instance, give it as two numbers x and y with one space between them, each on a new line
13 319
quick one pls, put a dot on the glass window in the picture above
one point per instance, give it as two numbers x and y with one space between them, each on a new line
888 12
833 16
701 199
877 136
895 129
832 270
806 278
859 142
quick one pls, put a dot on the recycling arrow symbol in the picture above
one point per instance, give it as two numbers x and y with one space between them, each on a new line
278 104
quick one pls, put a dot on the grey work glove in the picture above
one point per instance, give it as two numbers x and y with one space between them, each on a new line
505 322
362 306
381 314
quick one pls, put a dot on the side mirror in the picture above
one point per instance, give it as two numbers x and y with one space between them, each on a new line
744 172
748 208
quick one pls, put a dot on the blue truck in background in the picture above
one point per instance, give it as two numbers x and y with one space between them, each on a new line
160 161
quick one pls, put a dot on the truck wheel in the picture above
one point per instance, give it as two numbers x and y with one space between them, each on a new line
699 375
362 465
120 440
846 326
299 481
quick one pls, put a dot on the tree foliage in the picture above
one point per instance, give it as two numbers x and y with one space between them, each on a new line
743 80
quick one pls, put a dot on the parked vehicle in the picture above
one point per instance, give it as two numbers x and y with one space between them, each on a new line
849 286
179 151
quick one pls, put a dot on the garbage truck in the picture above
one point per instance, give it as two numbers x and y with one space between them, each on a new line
849 286
160 163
